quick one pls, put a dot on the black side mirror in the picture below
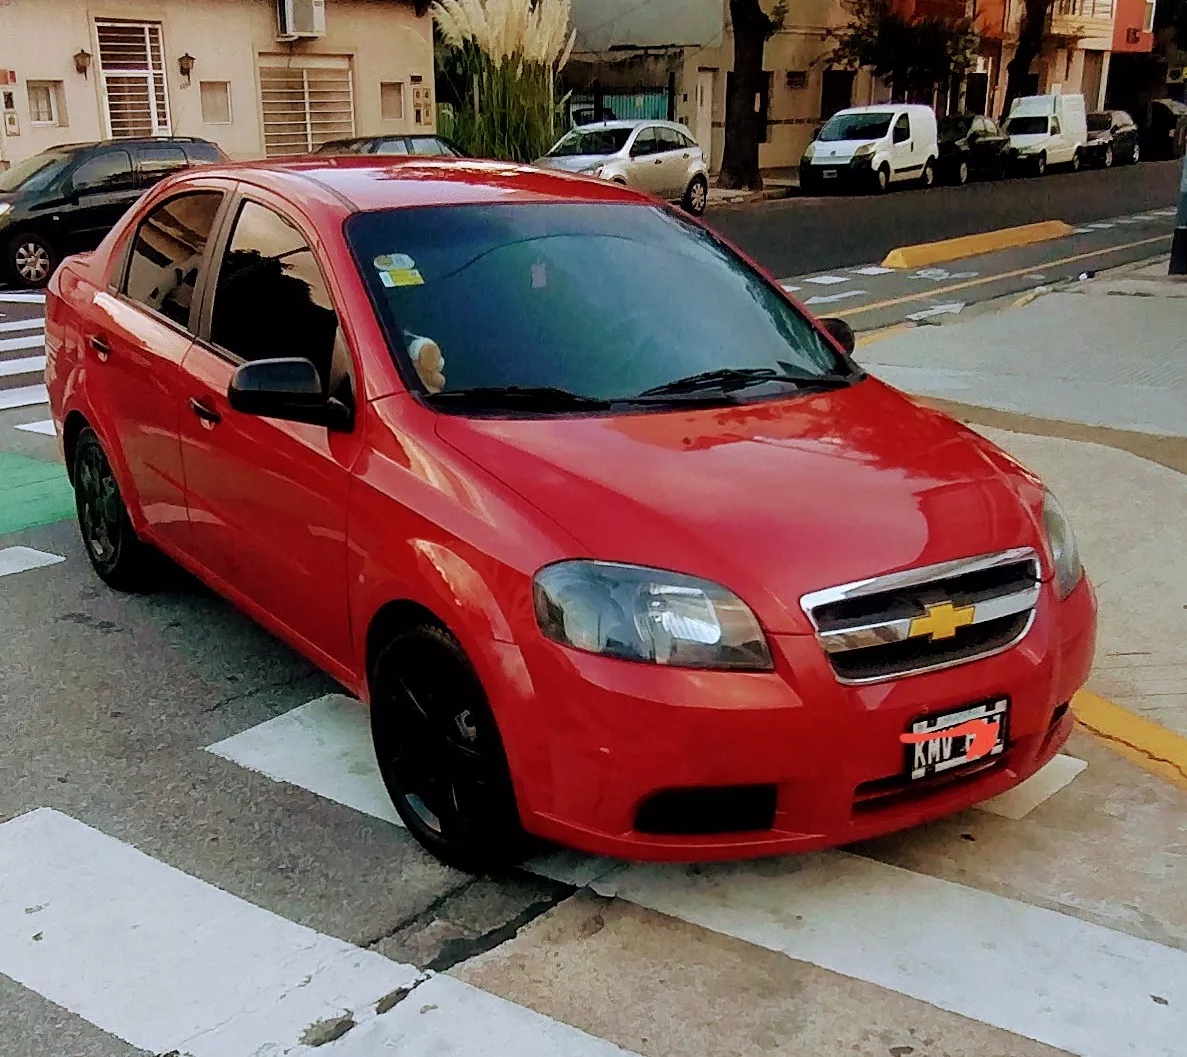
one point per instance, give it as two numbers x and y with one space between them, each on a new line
288 389
842 334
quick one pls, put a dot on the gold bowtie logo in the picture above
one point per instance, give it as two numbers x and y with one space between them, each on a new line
942 621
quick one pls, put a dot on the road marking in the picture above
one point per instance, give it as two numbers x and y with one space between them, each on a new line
22 559
999 276
25 365
872 269
1150 745
1165 212
1081 231
24 396
1128 220
1020 801
828 280
33 341
830 298
17 297
1100 227
36 323
949 309
929 253
45 427
1038 973
790 288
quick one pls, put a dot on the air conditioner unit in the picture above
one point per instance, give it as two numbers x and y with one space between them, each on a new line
300 19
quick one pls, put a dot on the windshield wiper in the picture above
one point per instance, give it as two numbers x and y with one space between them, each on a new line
526 397
729 379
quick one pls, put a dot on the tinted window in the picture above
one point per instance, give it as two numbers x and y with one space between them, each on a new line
603 301
167 254
34 173
592 141
670 139
856 126
203 152
1027 126
902 129
109 171
394 145
954 128
159 160
647 142
1099 122
1055 126
271 299
428 146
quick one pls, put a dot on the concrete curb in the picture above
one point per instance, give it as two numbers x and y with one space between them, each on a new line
928 253
1160 751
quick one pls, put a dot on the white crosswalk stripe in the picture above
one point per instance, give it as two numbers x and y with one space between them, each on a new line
32 341
22 297
14 325
167 963
23 396
23 365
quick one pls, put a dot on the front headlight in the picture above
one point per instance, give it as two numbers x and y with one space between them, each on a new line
864 151
638 614
594 170
5 207
810 152
1065 556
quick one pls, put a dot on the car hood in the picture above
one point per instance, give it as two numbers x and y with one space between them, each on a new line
574 162
838 150
772 499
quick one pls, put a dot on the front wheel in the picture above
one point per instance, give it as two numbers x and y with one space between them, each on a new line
1137 154
928 178
117 554
962 172
1107 160
1077 161
1040 165
882 179
29 259
440 753
696 197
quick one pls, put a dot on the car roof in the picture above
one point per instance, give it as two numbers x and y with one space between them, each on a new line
633 123
139 141
370 182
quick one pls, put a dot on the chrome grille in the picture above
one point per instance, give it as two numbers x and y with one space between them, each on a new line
928 618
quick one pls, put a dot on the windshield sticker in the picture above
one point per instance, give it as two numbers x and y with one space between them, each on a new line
397 269
539 276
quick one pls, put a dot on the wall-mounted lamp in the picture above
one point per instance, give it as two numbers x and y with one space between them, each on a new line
82 61
186 65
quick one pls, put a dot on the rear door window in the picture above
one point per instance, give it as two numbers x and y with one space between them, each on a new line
670 139
168 252
646 143
110 170
158 160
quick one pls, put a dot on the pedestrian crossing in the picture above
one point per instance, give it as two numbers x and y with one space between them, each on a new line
21 369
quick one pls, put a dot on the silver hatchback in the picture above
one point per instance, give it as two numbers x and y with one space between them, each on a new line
659 157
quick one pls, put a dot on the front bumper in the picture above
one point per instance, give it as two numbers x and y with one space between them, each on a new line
856 171
591 740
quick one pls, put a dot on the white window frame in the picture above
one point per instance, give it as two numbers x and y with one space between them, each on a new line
51 89
161 124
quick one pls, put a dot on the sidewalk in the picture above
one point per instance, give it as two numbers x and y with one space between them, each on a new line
1087 385
777 183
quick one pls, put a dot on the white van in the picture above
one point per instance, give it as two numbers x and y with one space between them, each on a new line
1048 130
874 146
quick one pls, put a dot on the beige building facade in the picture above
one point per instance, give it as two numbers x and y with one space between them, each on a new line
257 77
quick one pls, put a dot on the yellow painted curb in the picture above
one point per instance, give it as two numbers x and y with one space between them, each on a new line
1158 750
928 253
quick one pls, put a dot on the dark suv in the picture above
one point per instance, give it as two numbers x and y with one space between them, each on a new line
66 199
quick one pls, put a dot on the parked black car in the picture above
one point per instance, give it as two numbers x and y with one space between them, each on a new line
65 199
971 145
419 146
1113 137
1164 132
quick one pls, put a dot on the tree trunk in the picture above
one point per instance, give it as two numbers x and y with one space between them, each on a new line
1030 47
752 27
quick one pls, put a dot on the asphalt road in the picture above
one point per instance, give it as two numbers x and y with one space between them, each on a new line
798 235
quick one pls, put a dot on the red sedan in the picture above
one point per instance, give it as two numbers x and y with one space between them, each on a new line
620 545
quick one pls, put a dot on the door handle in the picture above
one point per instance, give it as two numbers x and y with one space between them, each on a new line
208 415
101 347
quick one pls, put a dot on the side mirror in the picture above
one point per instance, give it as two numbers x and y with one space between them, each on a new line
289 389
842 334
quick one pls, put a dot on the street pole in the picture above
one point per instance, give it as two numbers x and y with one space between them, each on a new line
1179 246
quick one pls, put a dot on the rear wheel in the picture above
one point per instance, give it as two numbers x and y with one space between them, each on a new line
29 259
440 753
116 552
928 178
1107 160
1137 154
962 172
696 197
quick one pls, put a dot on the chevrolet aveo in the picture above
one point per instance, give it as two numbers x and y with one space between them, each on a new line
619 544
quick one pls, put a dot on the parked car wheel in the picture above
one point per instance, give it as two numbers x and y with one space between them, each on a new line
440 753
1137 154
1040 165
29 259
882 179
962 172
117 554
696 197
1077 162
928 178
1107 160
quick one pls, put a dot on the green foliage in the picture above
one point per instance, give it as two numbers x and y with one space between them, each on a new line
914 55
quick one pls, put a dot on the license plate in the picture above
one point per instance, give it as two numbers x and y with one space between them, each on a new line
936 744
829 174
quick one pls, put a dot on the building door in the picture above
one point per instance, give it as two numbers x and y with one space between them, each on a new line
706 85
1094 68
836 92
132 72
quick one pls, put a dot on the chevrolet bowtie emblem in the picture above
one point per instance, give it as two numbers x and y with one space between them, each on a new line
942 621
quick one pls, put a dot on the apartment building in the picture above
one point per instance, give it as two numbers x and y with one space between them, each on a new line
258 77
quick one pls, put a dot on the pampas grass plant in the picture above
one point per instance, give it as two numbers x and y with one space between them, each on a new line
507 54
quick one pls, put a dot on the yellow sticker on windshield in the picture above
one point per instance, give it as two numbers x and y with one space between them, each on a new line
397 269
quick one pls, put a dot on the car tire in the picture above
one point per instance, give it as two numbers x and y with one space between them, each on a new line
1108 159
962 172
29 259
928 179
1040 165
696 196
881 179
440 752
119 557
1077 161
1137 154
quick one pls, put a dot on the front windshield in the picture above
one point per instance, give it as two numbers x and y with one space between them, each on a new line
601 301
1099 122
591 142
1027 126
856 126
33 173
